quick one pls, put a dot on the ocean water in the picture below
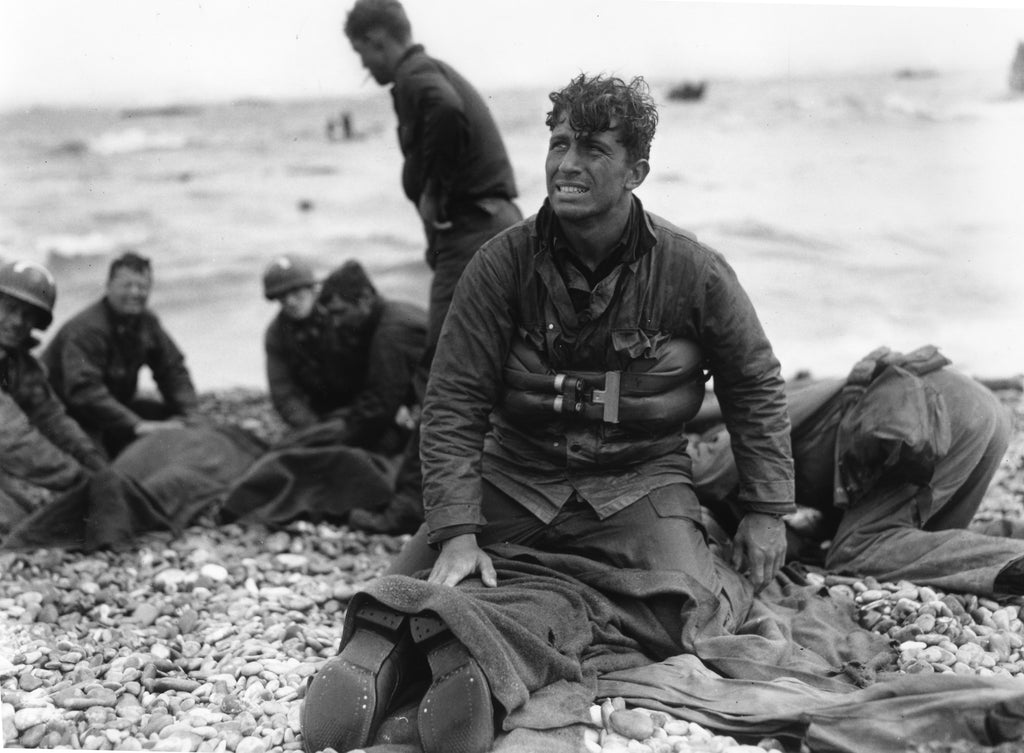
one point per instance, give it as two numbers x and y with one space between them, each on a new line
858 211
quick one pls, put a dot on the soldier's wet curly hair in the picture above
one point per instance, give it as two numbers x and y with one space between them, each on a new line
597 103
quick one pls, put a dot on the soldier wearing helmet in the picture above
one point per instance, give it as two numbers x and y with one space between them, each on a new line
345 356
39 443
298 345
95 358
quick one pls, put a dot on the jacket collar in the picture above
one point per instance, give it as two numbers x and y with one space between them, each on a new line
416 49
639 236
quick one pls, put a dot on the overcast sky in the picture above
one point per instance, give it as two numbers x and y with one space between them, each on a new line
159 51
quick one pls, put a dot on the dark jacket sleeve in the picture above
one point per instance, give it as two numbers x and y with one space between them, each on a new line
445 133
85 349
464 385
750 391
167 363
25 453
288 398
439 134
395 350
64 432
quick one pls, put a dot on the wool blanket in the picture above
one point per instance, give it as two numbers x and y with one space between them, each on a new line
163 481
561 631
175 478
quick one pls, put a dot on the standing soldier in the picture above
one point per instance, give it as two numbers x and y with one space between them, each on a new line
456 172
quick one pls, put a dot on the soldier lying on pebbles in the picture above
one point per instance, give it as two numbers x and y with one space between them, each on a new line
892 464
39 443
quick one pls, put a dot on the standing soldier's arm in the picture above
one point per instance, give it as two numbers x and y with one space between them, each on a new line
445 135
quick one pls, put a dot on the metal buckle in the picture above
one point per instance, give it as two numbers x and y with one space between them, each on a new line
609 396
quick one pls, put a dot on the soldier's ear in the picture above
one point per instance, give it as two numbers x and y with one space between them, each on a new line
637 174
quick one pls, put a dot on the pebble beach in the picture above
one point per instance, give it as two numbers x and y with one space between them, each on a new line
203 642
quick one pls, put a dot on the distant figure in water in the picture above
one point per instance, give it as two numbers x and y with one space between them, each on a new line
39 443
95 359
344 122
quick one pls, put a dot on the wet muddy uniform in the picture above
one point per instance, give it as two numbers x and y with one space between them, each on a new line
911 521
317 372
39 442
450 140
621 489
307 373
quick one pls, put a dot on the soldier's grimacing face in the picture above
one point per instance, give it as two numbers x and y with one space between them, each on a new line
588 174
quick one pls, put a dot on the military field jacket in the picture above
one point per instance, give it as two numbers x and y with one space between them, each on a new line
39 442
447 134
94 362
668 286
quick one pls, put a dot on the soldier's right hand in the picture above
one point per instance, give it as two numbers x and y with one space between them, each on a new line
460 557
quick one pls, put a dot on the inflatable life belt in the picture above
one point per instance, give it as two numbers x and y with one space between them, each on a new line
651 394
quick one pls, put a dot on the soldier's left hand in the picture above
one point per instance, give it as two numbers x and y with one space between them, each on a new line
759 548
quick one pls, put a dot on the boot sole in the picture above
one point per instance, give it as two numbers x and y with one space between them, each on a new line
456 714
346 693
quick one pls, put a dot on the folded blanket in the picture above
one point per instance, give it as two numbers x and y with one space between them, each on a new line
558 623
561 631
881 718
321 482
170 479
163 481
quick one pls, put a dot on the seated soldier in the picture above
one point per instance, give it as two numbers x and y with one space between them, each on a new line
891 466
95 358
300 351
39 443
385 340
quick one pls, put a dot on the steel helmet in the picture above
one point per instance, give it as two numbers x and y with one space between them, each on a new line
32 284
284 274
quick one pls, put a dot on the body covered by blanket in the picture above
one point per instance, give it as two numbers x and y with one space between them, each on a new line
310 475
163 481
167 480
557 623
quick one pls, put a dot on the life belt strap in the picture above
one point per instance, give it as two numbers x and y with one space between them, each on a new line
670 392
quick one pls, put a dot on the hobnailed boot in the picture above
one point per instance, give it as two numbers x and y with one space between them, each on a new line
456 714
350 695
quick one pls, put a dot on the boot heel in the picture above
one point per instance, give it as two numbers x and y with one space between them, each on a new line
382 617
349 696
424 628
456 714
